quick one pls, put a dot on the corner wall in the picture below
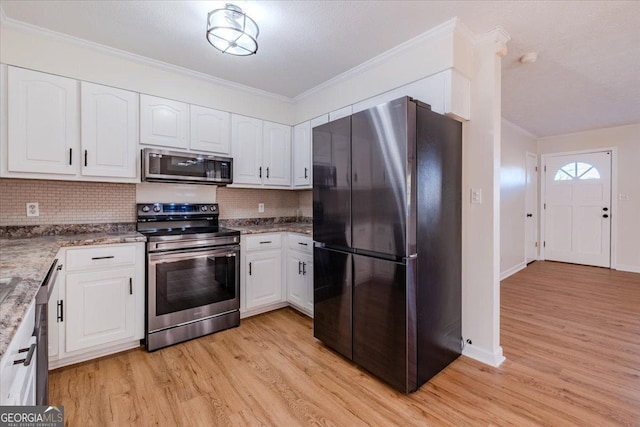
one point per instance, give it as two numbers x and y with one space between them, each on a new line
626 196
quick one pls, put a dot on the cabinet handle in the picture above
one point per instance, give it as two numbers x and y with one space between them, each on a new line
59 267
266 241
60 311
305 173
260 172
267 172
70 156
299 267
27 360
249 269
303 244
85 158
304 268
102 257
130 286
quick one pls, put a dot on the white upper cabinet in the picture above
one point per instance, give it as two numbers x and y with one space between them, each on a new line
276 155
163 122
109 129
302 156
210 130
342 112
320 120
246 140
43 135
261 153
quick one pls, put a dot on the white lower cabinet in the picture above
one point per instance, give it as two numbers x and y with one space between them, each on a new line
276 271
18 365
261 274
300 273
97 309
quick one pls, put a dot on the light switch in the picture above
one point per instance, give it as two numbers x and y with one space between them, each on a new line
476 196
260 207
33 209
623 197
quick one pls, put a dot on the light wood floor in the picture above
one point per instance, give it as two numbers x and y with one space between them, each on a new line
571 335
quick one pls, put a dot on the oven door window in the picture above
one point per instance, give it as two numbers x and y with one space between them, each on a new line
195 282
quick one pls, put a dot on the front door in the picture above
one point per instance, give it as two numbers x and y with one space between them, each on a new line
577 208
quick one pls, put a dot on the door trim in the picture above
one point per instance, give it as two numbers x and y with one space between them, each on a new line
536 207
614 198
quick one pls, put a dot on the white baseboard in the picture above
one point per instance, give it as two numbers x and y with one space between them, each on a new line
484 356
55 362
513 270
629 268
269 307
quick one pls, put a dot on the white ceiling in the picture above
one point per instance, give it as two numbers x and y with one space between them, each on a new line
587 75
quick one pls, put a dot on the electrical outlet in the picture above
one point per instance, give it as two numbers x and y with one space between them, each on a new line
476 196
260 207
33 209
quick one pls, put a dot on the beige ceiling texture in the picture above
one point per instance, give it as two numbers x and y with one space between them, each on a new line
587 74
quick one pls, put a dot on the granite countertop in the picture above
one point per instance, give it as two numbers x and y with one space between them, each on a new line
294 227
28 260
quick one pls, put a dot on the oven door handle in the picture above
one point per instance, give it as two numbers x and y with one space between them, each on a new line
190 254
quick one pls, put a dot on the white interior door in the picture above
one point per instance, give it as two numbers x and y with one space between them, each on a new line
578 208
531 208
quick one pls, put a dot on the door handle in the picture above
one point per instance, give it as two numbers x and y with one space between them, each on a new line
70 156
85 158
260 172
605 216
130 286
605 209
529 215
305 173
304 268
60 311
299 267
267 172
249 269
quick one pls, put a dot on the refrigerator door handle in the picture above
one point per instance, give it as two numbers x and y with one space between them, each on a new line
319 245
412 256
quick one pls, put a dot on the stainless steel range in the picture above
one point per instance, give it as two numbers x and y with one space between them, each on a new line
193 272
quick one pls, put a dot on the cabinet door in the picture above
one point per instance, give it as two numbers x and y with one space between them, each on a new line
246 149
100 308
109 124
163 122
296 289
263 278
210 130
277 155
43 134
302 155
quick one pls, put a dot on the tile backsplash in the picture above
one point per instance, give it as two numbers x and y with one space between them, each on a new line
66 202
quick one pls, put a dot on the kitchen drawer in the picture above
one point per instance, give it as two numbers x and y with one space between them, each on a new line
14 377
100 256
300 242
263 241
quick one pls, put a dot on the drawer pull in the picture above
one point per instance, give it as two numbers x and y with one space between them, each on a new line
303 244
266 241
102 257
27 360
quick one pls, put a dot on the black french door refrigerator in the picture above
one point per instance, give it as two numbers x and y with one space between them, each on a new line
387 240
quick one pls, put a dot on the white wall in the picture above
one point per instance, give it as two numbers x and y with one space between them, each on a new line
626 140
513 167
52 53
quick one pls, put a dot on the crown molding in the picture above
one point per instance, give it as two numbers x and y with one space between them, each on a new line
519 129
499 37
164 66
449 25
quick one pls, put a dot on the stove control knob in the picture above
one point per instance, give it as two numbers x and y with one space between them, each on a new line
213 208
203 208
156 208
145 209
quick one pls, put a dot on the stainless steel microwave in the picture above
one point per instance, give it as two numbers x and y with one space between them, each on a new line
174 166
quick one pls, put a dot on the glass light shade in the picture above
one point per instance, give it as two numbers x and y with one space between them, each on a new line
231 31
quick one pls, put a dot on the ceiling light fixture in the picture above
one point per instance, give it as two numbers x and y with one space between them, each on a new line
529 58
231 31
